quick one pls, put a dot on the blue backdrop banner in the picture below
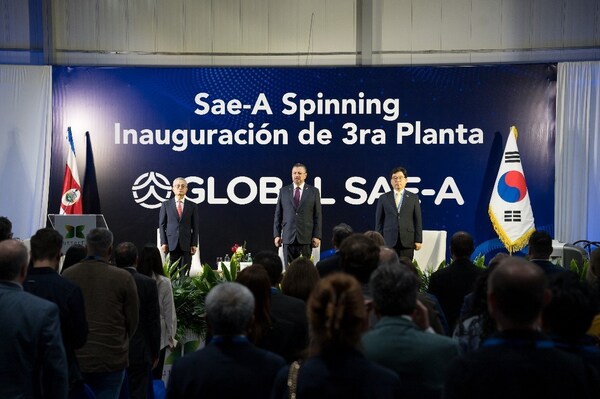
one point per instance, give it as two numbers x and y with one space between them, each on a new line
234 134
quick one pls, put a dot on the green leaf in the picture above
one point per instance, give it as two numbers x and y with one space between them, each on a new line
225 271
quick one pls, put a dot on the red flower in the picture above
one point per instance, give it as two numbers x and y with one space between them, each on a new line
234 248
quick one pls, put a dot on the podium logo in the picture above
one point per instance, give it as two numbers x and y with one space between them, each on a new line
151 189
74 231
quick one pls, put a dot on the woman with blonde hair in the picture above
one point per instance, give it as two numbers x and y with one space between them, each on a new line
336 368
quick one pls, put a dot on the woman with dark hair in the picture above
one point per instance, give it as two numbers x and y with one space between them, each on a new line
75 254
274 335
150 264
300 278
336 368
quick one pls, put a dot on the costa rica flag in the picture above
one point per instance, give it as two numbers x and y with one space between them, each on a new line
70 202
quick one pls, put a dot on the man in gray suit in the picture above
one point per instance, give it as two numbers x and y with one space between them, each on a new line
398 216
298 220
179 226
33 363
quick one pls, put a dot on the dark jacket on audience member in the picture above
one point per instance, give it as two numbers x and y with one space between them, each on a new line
284 307
45 282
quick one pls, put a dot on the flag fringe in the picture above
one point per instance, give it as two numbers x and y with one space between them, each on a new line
511 246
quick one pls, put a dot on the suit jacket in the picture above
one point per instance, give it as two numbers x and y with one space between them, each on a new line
173 231
144 345
293 310
420 359
451 284
406 223
32 356
549 267
520 365
342 373
300 224
226 368
45 282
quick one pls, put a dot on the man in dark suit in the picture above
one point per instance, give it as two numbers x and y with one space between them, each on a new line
540 249
451 283
44 281
179 226
144 345
229 366
333 263
284 307
298 221
519 362
398 216
33 363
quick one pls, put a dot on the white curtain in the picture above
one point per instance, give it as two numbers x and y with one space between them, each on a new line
577 188
25 138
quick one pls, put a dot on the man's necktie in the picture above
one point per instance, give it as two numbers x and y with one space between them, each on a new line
398 201
296 197
179 209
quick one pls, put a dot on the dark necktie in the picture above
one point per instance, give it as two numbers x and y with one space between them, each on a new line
296 197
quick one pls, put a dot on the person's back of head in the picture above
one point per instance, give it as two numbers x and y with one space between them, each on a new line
150 261
99 242
359 256
5 228
572 307
256 279
394 290
461 245
376 237
300 279
229 309
46 244
75 254
540 245
13 261
340 233
336 312
126 254
388 256
272 264
517 293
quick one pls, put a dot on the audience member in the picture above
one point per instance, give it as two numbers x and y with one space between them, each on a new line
359 258
451 283
336 369
150 264
594 266
376 237
111 306
5 228
437 319
332 263
284 307
540 249
144 345
476 324
229 366
75 254
44 281
267 332
33 363
519 362
299 279
420 358
569 315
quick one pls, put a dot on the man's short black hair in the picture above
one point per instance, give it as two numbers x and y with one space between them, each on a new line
126 254
540 245
272 264
359 256
462 245
399 169
340 233
5 228
46 244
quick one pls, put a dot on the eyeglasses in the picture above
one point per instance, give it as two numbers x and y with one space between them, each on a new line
179 185
396 178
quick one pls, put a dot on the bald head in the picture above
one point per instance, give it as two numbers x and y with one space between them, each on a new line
13 260
517 293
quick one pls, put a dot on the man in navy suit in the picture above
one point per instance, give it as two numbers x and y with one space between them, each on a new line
179 226
298 220
398 216
33 363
